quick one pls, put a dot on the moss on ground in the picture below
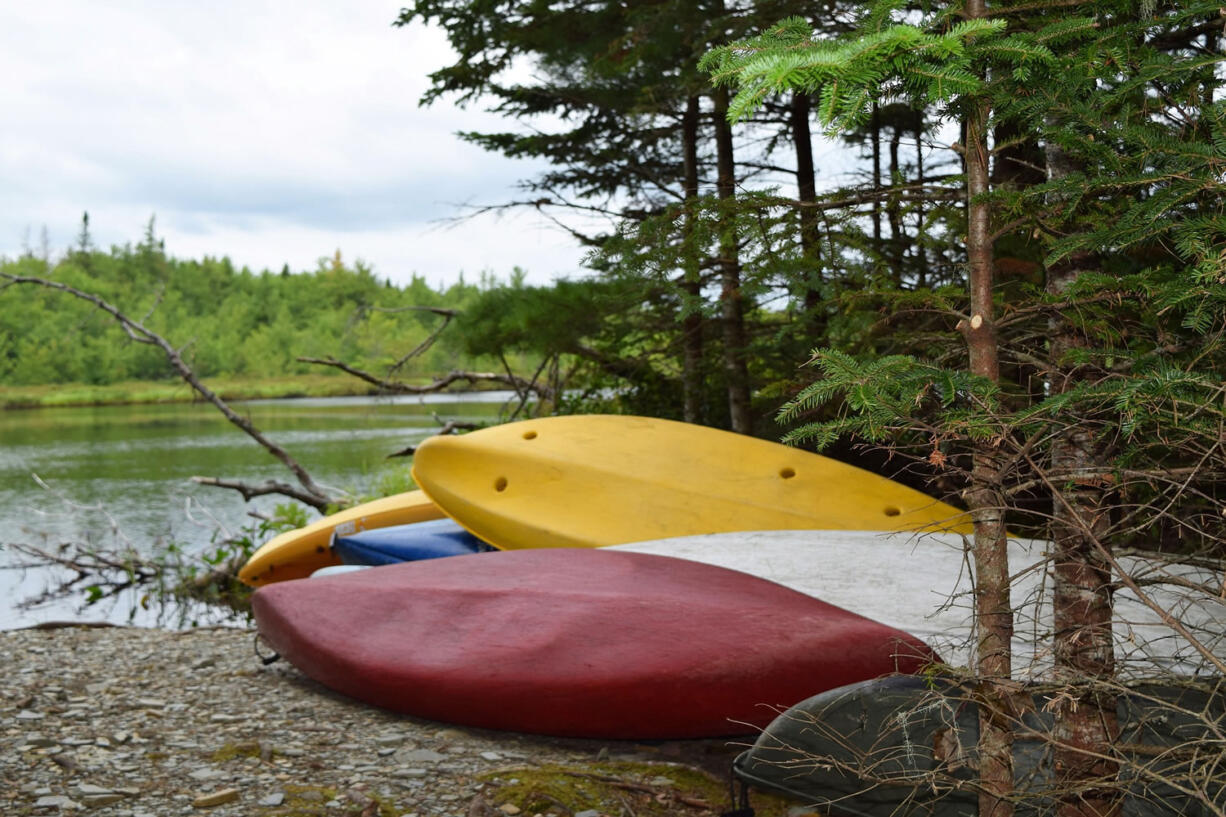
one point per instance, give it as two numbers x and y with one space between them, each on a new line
230 751
642 789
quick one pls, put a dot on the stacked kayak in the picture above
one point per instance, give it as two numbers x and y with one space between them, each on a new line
927 590
593 480
551 633
576 642
298 553
406 543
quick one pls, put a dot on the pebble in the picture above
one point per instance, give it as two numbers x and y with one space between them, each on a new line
128 722
217 798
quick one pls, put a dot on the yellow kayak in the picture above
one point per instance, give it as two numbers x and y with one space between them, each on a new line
595 480
297 553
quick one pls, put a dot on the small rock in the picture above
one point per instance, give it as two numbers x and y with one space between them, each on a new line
422 756
205 663
206 774
57 801
27 715
509 808
588 813
99 800
491 756
89 788
274 799
216 798
150 703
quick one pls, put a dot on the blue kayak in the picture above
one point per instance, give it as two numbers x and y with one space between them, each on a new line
406 543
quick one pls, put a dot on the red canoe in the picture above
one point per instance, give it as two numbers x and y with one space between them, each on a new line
580 643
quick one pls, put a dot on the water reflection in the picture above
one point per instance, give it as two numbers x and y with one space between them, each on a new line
107 476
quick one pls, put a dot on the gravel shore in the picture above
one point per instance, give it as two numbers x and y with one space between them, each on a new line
127 722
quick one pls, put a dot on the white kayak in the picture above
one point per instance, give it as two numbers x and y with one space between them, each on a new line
922 584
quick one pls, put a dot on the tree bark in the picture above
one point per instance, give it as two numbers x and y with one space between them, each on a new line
894 206
874 135
691 284
994 612
806 193
921 227
732 306
1086 722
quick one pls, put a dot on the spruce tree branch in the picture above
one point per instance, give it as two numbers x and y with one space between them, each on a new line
1042 5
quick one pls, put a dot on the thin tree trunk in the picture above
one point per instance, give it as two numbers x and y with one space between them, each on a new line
691 284
732 307
1086 723
874 135
893 206
921 230
806 190
994 613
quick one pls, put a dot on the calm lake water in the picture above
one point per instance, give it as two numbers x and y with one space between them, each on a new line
118 475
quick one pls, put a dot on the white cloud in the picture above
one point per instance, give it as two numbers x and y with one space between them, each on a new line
271 132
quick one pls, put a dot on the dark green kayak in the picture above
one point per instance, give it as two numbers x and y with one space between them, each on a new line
905 745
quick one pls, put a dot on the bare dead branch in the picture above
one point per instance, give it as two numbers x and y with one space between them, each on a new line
448 315
445 428
271 486
319 498
439 384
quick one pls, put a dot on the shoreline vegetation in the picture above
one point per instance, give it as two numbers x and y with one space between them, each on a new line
62 395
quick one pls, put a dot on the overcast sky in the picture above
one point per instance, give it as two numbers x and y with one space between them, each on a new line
271 132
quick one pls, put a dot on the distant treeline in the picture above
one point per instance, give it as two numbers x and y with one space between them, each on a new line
228 322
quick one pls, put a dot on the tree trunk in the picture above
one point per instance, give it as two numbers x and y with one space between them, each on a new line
1086 723
806 193
691 284
732 308
994 613
874 135
921 228
894 206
